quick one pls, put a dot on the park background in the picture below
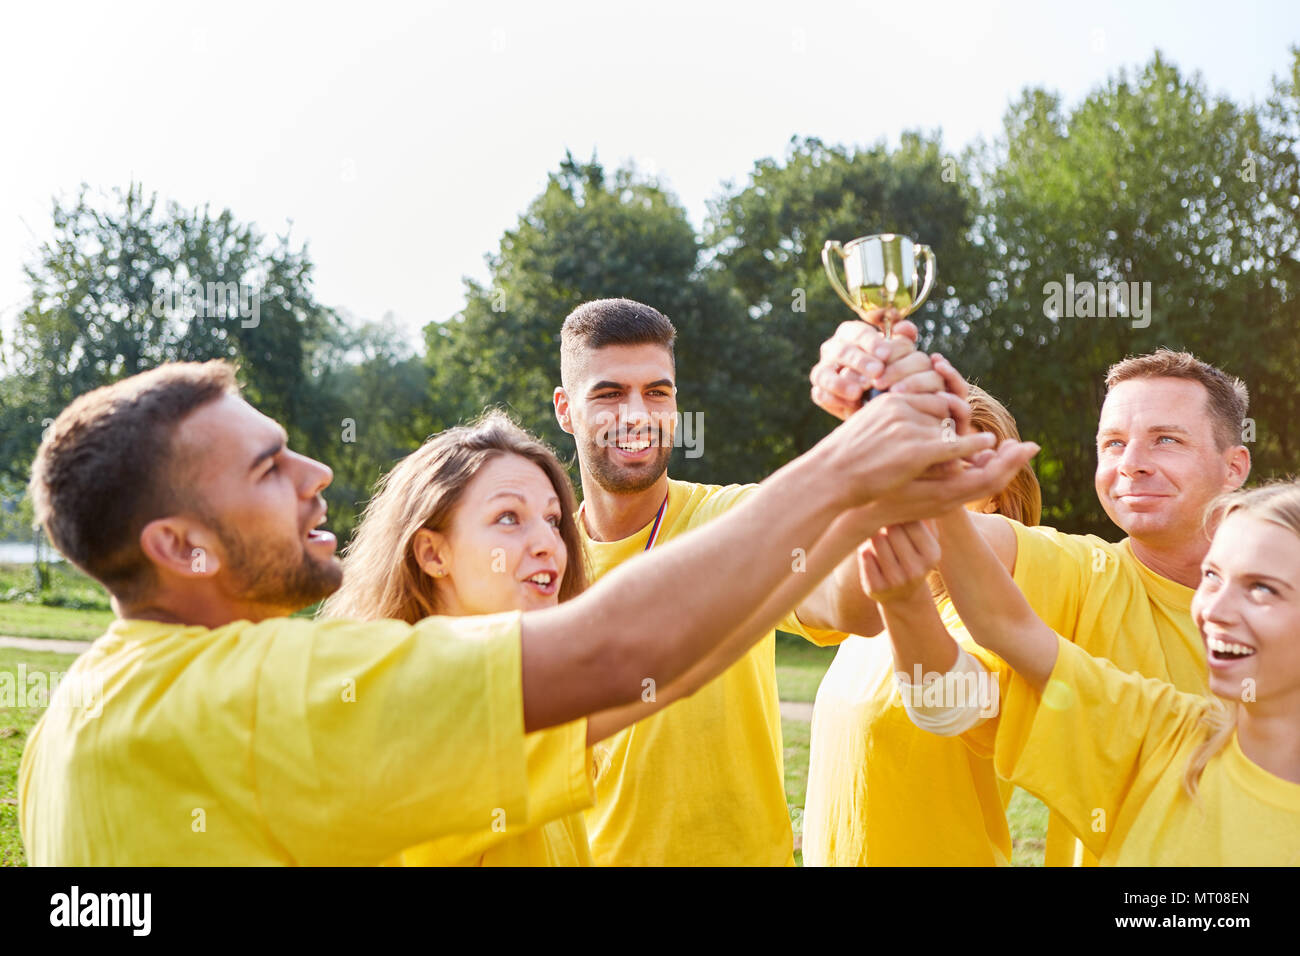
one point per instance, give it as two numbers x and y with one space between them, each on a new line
1146 172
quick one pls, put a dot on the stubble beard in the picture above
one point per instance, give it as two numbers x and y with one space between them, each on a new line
278 575
621 480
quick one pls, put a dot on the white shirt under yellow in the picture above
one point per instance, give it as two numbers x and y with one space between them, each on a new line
287 742
700 783
883 792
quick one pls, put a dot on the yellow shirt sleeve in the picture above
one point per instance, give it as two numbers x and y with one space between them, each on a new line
559 779
370 738
1080 745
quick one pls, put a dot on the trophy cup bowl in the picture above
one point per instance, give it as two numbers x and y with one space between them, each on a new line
880 273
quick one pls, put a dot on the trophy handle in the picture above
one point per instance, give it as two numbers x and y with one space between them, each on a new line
834 246
925 253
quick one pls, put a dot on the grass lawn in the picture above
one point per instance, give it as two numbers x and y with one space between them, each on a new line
36 620
800 666
15 724
71 606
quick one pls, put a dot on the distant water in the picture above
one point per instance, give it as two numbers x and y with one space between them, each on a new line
23 552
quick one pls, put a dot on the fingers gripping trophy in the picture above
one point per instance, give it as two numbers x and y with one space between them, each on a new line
880 273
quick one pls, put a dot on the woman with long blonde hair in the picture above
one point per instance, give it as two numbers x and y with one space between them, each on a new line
1144 774
481 520
881 791
478 520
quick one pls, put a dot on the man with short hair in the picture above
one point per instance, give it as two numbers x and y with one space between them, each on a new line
206 726
1168 443
702 782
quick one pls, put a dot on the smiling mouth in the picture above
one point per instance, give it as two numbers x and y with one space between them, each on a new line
542 579
634 448
1222 650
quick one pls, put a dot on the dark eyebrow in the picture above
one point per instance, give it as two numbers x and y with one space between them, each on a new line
601 386
271 451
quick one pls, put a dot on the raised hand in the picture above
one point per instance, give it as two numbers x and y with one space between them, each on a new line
895 439
857 357
894 563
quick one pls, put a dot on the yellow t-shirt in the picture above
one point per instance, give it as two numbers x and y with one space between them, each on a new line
701 782
1108 750
560 842
883 792
1101 597
283 742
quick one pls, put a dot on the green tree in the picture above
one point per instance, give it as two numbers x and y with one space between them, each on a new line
767 238
109 299
591 235
1138 184
370 410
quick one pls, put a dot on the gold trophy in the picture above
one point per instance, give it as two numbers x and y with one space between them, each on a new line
881 274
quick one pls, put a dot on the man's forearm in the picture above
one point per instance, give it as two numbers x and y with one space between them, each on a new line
652 619
844 534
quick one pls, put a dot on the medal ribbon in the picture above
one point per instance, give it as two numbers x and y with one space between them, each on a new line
654 529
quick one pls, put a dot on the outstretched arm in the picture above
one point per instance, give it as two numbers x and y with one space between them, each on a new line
991 606
923 495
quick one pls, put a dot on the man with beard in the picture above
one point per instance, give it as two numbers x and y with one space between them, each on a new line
207 726
1168 444
702 781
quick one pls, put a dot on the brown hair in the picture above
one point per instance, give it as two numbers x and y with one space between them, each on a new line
603 322
106 468
1226 398
381 577
1022 498
1277 502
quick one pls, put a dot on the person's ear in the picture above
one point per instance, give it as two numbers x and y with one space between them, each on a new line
1238 467
563 413
432 553
181 547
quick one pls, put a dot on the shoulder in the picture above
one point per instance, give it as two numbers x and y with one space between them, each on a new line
1044 541
697 503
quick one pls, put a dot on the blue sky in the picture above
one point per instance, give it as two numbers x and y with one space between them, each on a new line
401 140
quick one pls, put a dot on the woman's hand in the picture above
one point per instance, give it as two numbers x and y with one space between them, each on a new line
894 563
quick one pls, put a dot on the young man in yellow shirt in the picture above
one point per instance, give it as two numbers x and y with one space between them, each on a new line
208 727
702 782
1168 443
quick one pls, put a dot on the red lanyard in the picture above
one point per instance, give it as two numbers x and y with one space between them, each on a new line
654 529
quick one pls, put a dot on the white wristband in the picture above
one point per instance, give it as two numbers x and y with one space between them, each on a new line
964 697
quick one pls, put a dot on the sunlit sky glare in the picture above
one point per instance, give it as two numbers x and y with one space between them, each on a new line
402 139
